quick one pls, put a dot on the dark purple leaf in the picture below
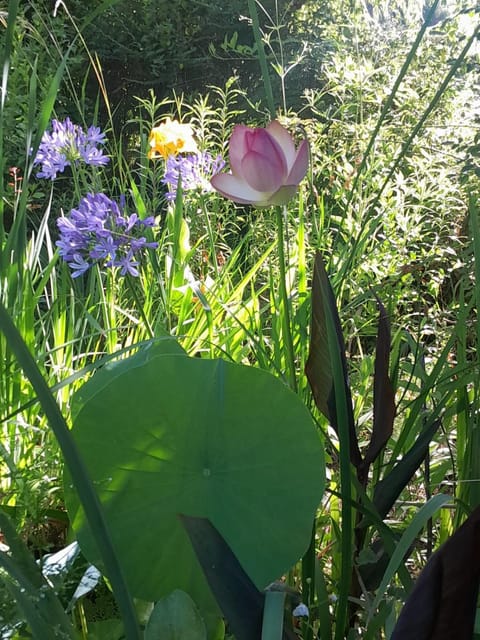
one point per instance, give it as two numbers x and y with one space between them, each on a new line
383 393
443 602
391 486
237 596
319 369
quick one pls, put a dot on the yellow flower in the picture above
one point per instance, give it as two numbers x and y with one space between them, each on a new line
170 138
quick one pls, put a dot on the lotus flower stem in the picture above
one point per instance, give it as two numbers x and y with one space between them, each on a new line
281 213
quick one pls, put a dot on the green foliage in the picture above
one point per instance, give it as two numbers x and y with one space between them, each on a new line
156 457
391 204
175 617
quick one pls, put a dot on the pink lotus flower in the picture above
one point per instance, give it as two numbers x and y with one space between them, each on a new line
266 169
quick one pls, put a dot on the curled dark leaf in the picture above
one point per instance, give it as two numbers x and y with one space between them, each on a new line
443 602
319 368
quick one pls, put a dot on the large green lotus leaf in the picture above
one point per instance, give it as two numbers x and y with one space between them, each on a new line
164 345
204 438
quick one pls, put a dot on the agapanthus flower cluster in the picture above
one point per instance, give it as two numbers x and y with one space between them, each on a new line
69 145
194 170
99 231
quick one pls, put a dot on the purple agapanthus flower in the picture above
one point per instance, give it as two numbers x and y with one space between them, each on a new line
99 231
194 170
68 144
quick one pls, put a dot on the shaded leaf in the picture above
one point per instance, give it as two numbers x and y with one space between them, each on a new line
443 602
175 617
383 393
319 367
106 630
390 487
237 596
34 596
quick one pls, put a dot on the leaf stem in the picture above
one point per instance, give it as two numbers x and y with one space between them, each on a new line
285 304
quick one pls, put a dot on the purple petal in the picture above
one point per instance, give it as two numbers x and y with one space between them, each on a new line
300 166
238 148
284 140
262 172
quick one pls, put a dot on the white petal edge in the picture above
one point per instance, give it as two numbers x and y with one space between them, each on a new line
237 190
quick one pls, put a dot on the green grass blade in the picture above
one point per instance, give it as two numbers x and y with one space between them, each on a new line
432 105
7 51
78 473
411 532
39 602
262 57
389 101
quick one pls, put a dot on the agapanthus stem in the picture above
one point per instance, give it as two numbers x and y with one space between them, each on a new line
285 304
139 305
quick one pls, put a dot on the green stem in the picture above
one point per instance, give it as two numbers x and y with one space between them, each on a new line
257 34
139 305
390 99
285 304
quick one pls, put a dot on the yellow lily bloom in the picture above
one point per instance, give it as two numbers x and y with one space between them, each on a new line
170 138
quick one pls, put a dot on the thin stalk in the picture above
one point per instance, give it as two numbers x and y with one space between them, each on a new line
405 147
389 100
285 308
139 305
272 627
433 103
257 34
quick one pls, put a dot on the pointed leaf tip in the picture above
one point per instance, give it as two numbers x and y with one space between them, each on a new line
319 368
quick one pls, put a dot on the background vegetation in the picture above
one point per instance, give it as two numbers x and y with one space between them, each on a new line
389 103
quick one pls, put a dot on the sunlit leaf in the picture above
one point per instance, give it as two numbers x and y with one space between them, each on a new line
171 434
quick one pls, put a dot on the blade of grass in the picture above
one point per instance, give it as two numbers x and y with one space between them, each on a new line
389 101
257 34
78 471
7 51
364 229
342 407
272 627
411 532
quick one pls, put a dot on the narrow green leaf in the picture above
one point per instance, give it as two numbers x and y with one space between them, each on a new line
81 479
383 393
257 34
408 537
434 102
391 97
323 605
272 627
327 374
391 486
37 600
